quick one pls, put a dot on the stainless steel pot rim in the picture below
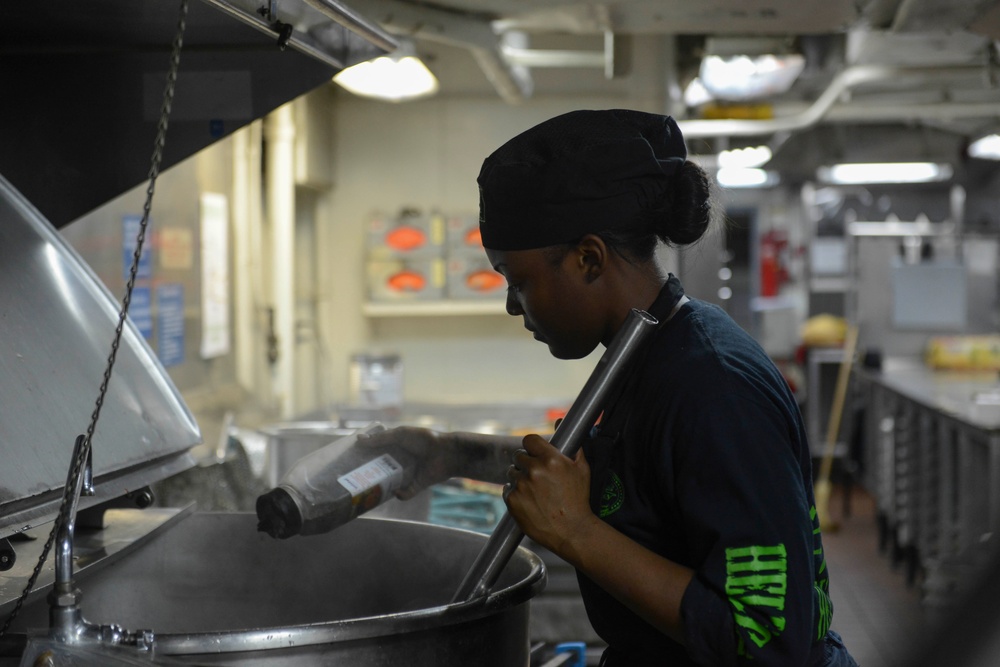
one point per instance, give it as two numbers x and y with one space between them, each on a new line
275 638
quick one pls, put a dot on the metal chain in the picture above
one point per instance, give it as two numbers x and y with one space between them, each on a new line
154 172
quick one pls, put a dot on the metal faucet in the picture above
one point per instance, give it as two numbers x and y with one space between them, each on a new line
66 620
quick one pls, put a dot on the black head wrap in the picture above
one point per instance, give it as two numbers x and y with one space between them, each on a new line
579 173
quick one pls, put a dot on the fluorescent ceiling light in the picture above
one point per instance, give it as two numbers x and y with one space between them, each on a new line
749 157
986 148
741 78
739 177
397 77
884 172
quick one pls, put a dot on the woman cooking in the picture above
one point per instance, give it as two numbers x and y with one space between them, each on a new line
689 512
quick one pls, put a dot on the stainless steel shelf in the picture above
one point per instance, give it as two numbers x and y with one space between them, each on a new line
829 284
435 308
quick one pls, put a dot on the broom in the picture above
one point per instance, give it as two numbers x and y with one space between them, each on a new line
821 488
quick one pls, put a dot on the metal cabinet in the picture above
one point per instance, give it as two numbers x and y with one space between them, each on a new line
822 367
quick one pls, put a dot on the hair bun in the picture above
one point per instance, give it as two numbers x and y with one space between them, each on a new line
687 211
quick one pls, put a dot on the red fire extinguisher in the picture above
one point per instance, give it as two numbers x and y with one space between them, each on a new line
772 265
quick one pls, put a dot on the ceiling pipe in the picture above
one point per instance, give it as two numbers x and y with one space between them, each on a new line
513 83
311 45
875 113
552 57
356 23
849 78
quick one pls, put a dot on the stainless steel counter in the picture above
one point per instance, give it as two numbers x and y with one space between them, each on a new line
932 458
972 397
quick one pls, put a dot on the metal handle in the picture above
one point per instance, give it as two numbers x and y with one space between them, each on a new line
568 438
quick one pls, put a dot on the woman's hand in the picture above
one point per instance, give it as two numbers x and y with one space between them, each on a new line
548 494
435 454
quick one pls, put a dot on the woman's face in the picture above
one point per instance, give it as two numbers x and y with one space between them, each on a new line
549 292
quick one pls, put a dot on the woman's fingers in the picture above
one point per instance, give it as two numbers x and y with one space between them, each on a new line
546 492
536 445
519 454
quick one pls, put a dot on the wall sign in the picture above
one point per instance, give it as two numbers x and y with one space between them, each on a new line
130 231
176 248
170 318
140 310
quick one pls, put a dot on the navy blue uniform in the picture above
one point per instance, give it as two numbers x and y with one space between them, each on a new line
702 458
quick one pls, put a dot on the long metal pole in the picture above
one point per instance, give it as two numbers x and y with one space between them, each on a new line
568 438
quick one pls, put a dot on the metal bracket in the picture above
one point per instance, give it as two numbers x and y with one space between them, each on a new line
269 10
285 31
93 517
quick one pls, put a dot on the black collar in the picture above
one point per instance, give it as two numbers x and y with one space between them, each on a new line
670 295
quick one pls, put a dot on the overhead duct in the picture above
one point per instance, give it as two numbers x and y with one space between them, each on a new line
499 49
607 59
927 15
512 82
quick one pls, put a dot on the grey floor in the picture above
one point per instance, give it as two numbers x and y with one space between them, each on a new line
876 612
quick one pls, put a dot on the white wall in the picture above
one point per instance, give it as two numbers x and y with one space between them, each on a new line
427 154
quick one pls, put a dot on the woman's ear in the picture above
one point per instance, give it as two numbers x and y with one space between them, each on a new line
592 256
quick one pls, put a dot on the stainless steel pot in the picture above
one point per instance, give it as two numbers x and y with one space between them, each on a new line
375 592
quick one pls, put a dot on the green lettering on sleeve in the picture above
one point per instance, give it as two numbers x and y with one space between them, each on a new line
821 595
825 612
756 577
